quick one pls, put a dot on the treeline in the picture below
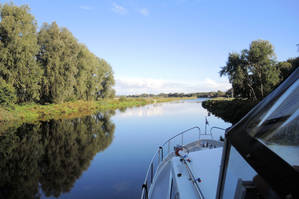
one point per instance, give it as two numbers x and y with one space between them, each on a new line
46 66
229 110
254 72
198 95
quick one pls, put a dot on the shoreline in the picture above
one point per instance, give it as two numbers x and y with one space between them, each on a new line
229 109
31 113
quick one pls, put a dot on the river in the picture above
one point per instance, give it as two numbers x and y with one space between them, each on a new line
99 156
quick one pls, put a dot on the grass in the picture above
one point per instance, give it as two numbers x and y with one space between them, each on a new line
30 113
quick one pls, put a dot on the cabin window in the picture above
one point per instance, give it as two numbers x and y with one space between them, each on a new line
238 174
268 138
242 181
278 126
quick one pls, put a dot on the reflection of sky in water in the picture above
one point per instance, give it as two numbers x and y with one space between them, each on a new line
148 111
119 171
160 110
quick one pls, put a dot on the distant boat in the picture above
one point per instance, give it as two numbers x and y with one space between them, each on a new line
259 157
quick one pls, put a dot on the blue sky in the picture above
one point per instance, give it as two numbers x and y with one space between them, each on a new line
172 45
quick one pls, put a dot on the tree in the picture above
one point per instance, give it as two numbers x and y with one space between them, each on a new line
71 71
287 67
85 87
220 93
48 67
253 73
261 59
105 75
94 77
237 70
58 58
18 48
7 93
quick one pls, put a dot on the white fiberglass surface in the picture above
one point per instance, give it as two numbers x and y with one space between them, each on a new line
160 187
182 181
205 165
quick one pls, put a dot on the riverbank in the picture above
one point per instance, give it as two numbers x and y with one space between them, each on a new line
34 112
229 109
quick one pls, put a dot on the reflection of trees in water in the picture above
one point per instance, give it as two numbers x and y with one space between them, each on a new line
20 151
50 155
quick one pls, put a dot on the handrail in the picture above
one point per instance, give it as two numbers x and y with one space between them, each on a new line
195 127
160 154
192 178
151 171
215 127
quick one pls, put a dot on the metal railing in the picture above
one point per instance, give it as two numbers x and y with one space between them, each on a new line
168 142
215 127
193 180
159 156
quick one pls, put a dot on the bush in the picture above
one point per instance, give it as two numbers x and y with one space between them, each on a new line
229 110
122 99
7 93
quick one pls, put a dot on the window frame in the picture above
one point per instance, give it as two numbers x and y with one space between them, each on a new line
282 177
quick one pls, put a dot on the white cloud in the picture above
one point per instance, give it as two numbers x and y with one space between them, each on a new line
125 86
119 9
144 12
86 7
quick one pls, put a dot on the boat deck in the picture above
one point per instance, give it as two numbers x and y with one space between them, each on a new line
205 164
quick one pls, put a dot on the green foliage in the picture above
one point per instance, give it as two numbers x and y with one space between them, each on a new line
50 66
57 56
262 65
71 71
94 77
180 95
30 113
287 67
105 72
85 87
122 99
18 47
7 93
294 62
223 108
253 73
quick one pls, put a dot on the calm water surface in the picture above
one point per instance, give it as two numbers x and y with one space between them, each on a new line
100 156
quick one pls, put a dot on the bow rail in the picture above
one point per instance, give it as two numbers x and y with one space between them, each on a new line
161 154
159 157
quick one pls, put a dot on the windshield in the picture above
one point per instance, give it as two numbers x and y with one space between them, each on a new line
277 125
